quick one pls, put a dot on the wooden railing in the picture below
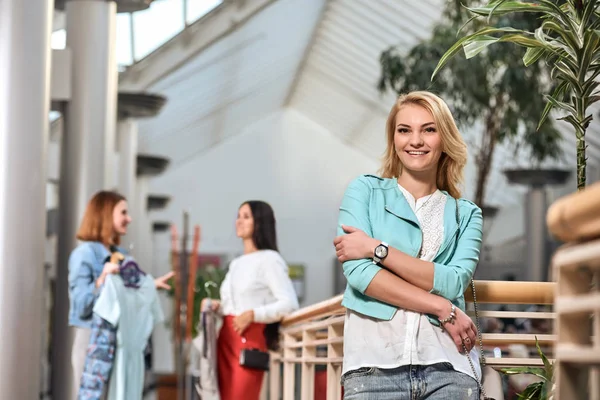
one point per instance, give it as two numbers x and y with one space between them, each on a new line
314 335
575 219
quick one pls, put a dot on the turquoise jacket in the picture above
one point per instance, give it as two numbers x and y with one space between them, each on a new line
378 207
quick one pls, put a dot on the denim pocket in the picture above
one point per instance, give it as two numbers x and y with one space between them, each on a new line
355 373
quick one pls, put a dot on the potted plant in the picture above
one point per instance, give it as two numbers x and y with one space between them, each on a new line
566 38
496 90
538 390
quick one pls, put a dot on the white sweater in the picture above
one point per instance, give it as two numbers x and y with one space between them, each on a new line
258 281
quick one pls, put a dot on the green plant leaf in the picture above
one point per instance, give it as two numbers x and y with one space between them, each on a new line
591 41
547 364
558 93
539 372
477 44
533 54
569 43
532 392
564 73
561 104
456 47
506 7
590 7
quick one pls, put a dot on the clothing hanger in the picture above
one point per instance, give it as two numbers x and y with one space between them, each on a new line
207 286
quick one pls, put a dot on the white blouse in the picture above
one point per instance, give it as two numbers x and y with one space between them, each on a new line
408 338
258 281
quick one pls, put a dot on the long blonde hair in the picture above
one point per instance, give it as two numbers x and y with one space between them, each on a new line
454 149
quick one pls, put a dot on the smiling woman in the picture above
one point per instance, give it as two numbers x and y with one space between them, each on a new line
409 247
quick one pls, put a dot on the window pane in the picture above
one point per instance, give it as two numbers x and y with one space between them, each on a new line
124 55
156 25
198 8
59 39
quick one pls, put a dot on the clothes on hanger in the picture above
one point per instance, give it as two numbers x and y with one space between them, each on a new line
124 317
99 360
204 355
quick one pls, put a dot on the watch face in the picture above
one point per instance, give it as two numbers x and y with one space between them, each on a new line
381 251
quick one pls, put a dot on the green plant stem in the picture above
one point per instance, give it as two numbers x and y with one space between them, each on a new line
581 161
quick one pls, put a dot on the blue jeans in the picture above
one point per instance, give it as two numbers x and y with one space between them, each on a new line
411 382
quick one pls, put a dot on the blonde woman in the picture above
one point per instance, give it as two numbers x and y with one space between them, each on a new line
409 245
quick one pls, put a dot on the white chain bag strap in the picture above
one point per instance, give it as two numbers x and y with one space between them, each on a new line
490 383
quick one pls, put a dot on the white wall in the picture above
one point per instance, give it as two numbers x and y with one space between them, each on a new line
285 159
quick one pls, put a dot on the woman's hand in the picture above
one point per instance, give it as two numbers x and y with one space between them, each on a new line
214 304
462 330
109 268
161 282
354 245
242 321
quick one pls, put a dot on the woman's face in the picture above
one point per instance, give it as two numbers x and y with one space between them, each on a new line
244 224
121 218
417 141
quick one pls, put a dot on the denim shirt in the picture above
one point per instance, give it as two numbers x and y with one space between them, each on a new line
85 266
376 206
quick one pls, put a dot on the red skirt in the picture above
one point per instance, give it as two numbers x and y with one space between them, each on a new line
237 382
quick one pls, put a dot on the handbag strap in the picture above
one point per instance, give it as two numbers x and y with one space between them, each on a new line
479 336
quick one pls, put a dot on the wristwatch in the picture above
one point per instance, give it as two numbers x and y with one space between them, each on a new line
380 252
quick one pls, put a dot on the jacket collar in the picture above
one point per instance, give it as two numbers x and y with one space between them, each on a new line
401 209
100 252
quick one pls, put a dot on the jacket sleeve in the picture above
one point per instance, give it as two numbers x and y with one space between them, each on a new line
451 280
280 285
82 286
354 211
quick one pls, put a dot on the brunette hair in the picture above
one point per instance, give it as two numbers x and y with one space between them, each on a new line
264 234
97 222
264 237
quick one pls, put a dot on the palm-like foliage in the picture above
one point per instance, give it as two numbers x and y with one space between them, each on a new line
568 39
496 91
538 390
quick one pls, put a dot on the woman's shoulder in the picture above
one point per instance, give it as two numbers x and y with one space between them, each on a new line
467 207
273 255
88 251
84 249
370 182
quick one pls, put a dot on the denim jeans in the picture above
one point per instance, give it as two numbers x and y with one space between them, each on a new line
411 382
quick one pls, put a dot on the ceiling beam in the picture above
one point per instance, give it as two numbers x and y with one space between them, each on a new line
217 24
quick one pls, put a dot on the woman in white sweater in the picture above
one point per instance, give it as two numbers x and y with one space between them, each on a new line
255 295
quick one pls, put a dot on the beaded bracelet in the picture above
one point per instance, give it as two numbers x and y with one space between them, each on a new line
449 318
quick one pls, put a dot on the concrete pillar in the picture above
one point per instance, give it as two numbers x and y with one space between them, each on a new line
86 154
147 167
536 232
132 107
535 220
25 28
127 134
155 202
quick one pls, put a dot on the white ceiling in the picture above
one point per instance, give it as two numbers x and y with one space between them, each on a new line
247 76
321 58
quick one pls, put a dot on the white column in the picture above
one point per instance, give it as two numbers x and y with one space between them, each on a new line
86 155
142 248
127 136
25 28
535 232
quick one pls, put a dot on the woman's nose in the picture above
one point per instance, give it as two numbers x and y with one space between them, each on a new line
416 139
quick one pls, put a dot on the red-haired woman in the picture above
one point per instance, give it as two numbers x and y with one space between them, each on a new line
105 220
